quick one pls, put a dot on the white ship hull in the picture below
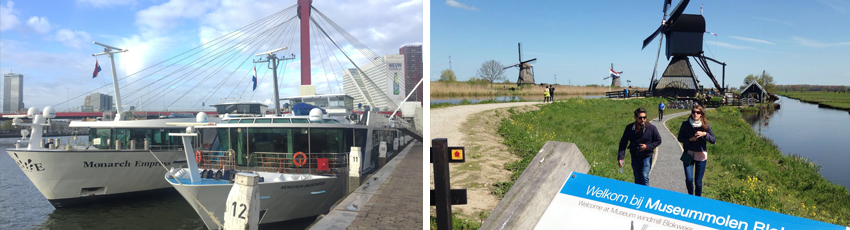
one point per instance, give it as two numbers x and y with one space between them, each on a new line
279 200
68 178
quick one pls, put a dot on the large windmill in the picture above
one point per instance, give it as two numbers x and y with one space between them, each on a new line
684 34
615 77
526 72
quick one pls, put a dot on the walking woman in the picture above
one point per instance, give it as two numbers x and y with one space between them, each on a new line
694 134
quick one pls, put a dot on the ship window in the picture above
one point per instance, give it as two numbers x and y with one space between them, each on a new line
300 120
233 121
331 121
282 120
326 141
246 121
267 120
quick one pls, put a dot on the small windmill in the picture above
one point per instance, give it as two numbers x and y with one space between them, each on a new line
526 72
615 76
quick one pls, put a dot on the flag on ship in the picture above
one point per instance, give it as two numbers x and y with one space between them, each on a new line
96 69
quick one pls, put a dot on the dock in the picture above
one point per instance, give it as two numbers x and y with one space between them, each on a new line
389 199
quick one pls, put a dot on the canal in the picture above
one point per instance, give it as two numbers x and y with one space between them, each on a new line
803 129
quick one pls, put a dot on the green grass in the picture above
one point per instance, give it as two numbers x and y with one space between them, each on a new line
750 170
835 100
461 223
740 161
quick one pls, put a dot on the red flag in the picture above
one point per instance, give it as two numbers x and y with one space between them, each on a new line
323 164
96 69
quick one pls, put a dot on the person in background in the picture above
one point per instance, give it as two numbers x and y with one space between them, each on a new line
661 110
642 138
694 134
551 93
546 94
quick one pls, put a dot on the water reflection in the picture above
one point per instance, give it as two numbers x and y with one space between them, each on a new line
804 129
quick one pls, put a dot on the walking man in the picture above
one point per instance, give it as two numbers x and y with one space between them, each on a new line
642 138
551 93
661 111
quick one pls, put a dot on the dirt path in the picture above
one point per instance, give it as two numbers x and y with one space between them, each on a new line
475 127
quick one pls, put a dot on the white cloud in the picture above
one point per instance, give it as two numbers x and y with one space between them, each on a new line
39 24
73 39
752 40
8 20
772 20
727 45
161 19
457 4
107 3
817 44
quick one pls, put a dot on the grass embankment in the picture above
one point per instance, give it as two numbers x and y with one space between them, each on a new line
750 170
454 89
467 102
744 168
830 99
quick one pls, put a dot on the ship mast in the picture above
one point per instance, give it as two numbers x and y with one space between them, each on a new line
108 51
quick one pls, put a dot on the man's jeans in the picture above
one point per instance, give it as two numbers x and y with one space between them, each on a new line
693 178
641 169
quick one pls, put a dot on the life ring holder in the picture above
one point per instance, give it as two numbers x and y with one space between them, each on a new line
296 160
198 156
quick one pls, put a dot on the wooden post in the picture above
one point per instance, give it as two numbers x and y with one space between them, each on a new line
354 169
242 209
440 154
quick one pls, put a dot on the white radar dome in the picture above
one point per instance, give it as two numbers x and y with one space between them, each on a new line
315 115
31 112
49 112
201 117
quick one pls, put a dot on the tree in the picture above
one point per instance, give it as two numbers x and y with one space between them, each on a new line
448 76
7 125
491 71
765 80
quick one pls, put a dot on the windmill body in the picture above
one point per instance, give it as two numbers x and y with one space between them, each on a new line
684 34
615 77
526 70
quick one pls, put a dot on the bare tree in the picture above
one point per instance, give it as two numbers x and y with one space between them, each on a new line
491 71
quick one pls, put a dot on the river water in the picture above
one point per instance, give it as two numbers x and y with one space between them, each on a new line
476 99
23 207
803 129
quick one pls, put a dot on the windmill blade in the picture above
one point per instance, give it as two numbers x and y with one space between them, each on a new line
511 66
651 37
519 50
677 12
529 61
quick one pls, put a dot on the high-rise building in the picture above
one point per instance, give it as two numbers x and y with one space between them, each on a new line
386 88
97 102
13 93
412 69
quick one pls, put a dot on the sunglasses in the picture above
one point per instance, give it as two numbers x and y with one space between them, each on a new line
696 111
644 117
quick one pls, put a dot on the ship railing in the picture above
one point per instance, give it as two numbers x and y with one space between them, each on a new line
157 148
313 163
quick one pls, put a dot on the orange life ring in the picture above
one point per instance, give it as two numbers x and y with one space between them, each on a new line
297 162
198 157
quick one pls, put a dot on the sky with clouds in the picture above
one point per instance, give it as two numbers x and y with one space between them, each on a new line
797 42
50 43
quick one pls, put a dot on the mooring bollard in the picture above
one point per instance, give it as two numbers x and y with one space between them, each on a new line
242 210
147 144
118 144
354 169
382 154
133 144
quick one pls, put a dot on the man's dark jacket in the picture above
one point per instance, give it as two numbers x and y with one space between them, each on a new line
634 137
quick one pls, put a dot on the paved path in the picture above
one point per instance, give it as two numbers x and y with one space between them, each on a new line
446 121
390 199
667 173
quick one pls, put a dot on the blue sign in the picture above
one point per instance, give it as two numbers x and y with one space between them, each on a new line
617 204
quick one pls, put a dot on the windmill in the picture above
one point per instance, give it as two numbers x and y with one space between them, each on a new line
615 77
684 34
526 72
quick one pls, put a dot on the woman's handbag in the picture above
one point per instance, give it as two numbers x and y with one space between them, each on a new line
687 158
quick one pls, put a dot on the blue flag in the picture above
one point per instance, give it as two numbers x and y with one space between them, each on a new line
254 79
96 69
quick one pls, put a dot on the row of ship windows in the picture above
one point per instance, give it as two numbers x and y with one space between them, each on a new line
278 120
